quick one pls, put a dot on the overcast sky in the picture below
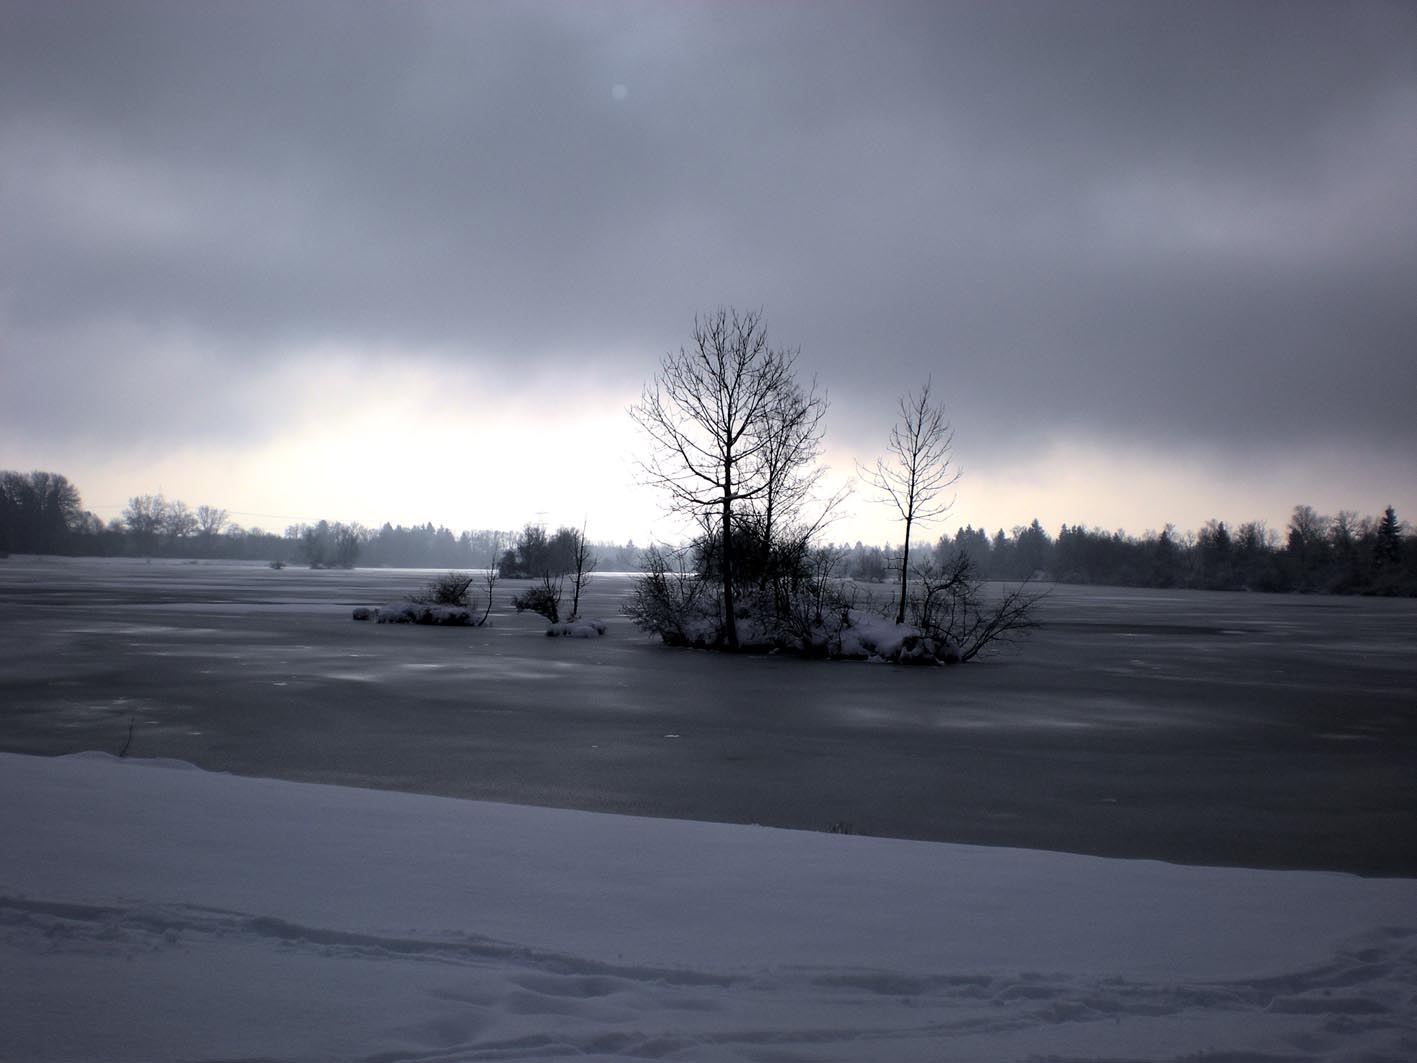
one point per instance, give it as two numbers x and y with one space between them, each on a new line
413 261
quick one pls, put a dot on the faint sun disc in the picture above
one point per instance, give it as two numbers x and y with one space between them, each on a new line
619 91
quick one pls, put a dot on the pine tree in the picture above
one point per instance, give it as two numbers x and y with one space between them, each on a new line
1387 552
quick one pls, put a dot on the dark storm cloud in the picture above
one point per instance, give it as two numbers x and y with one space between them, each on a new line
1161 221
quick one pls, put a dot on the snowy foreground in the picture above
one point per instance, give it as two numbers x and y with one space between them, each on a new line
151 911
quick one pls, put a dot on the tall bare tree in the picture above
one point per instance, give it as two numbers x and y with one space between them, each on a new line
709 415
915 475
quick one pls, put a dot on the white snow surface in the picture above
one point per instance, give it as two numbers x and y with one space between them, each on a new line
150 914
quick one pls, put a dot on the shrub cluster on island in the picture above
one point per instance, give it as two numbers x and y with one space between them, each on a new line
464 599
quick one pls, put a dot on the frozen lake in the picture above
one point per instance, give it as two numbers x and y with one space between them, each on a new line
1206 728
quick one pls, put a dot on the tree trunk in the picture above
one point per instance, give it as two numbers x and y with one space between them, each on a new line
730 621
904 574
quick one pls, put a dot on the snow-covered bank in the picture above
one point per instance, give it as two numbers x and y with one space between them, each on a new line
148 913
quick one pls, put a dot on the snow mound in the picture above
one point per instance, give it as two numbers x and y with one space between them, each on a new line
580 628
866 635
168 763
869 635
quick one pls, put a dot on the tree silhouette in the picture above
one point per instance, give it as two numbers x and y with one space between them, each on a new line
917 472
727 423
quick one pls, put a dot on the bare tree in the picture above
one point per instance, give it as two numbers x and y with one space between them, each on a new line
491 574
178 522
210 521
327 545
708 414
917 472
348 539
950 608
585 564
144 518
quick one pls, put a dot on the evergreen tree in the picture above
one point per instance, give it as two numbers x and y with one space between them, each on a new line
1387 551
1163 562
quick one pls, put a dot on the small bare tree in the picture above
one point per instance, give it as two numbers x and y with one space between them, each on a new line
917 472
490 575
585 564
950 607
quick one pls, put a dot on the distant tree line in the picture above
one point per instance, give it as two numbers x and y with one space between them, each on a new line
42 513
535 553
1343 554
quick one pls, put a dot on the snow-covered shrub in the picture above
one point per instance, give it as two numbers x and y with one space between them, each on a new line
790 600
447 600
671 601
578 629
794 607
864 635
860 634
451 588
425 613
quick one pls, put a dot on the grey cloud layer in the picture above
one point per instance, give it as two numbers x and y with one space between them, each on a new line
1171 221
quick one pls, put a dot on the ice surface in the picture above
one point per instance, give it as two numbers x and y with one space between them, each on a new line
1198 727
165 915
